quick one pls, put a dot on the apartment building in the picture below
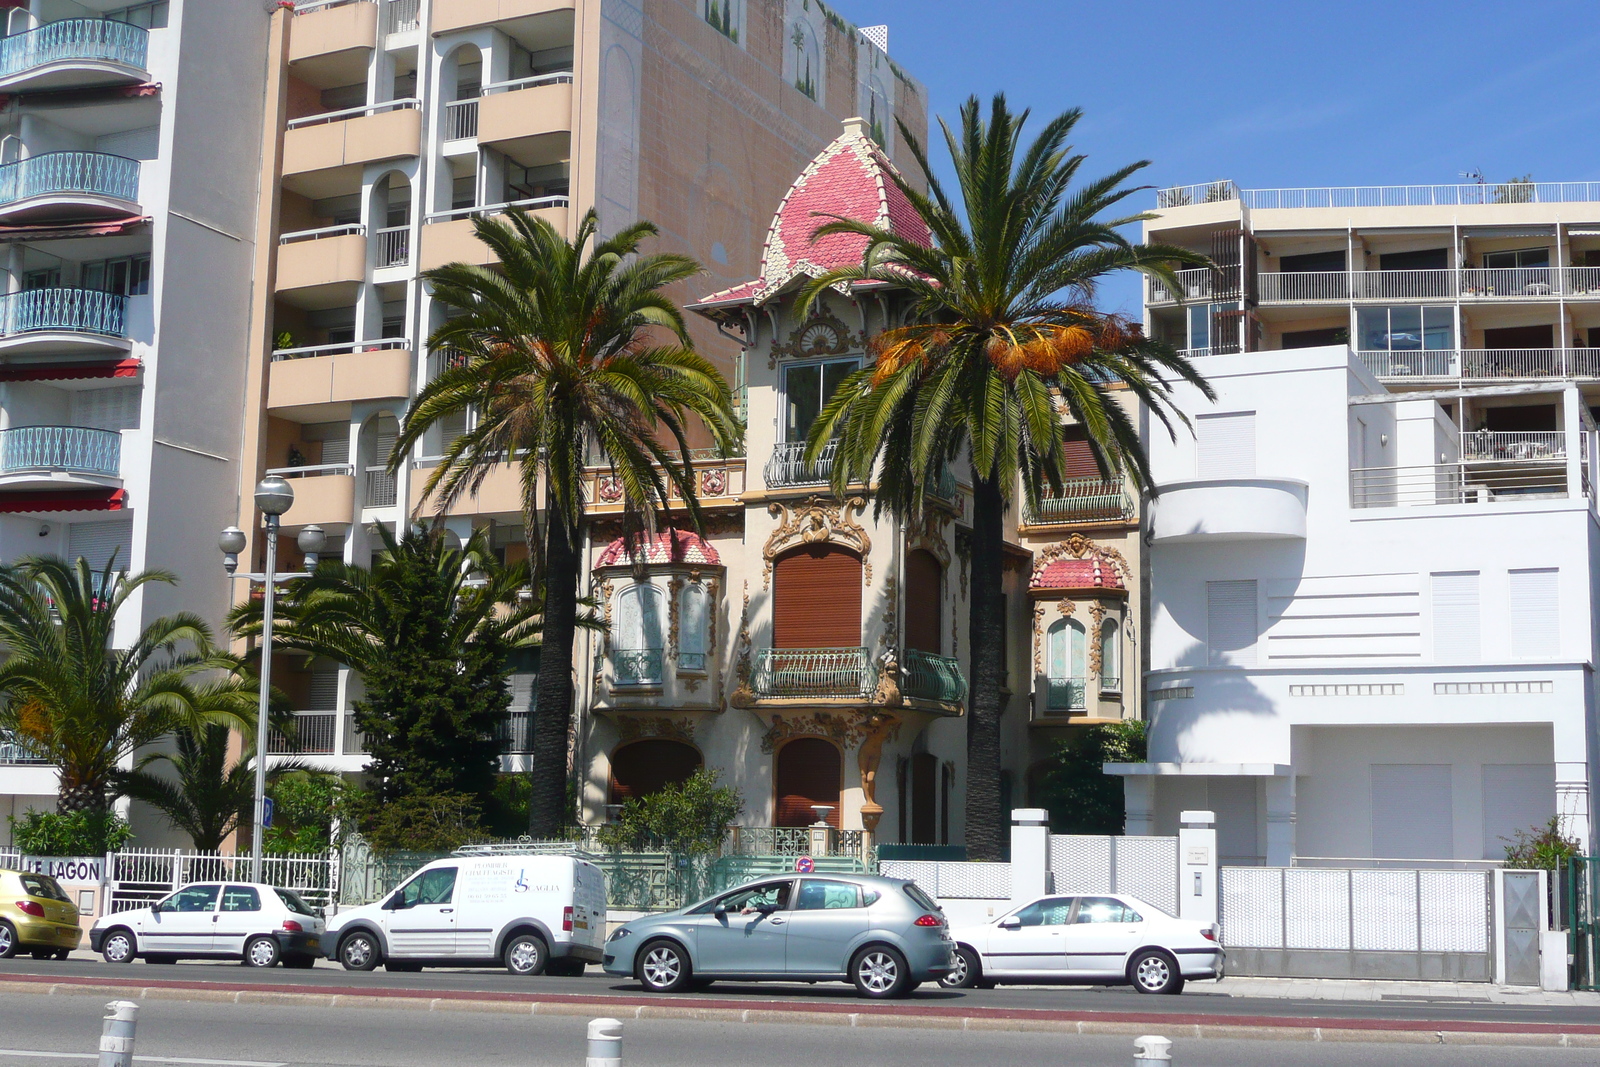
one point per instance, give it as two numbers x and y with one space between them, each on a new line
128 163
1371 569
392 124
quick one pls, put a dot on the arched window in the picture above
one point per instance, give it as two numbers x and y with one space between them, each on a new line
1065 656
1110 672
808 771
638 635
694 627
644 767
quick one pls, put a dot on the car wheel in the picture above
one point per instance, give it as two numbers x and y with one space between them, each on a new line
261 951
8 940
300 963
968 970
1153 971
526 954
663 967
360 951
879 972
118 946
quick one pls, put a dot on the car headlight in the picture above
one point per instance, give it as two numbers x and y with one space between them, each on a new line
618 934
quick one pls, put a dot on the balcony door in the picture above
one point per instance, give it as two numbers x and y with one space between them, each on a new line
807 771
645 767
816 598
806 390
924 602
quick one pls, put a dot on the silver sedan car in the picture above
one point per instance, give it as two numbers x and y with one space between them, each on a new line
885 935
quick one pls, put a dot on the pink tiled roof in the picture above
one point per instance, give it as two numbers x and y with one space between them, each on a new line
668 546
849 178
1091 572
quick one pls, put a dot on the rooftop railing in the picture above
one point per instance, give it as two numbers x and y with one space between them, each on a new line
70 310
788 465
814 672
1382 195
929 677
91 40
76 449
88 173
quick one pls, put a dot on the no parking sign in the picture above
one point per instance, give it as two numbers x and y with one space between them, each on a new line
805 865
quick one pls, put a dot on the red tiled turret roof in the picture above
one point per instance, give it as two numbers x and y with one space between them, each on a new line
668 546
1090 572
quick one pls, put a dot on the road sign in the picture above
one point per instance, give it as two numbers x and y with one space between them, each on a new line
266 812
805 865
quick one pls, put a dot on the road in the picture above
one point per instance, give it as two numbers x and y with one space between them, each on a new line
62 1031
1196 1002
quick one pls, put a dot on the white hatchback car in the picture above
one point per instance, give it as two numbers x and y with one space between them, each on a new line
1084 940
258 925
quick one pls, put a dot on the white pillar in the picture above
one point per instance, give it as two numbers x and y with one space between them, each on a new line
1280 820
1030 853
1571 423
1139 801
1197 866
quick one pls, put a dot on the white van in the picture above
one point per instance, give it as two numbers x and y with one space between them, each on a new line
536 914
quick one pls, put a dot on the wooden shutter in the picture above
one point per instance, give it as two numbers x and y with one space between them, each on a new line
817 599
1535 619
645 767
1227 445
1231 623
1456 622
924 579
1077 459
808 771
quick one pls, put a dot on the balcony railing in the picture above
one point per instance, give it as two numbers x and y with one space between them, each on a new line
1456 483
636 666
814 672
13 754
315 470
94 40
531 204
1065 694
553 77
72 310
460 119
1513 444
355 742
694 662
339 349
78 449
314 732
347 229
1196 286
929 677
86 173
1383 195
402 16
394 246
1485 363
1083 500
403 104
789 467
1471 283
1110 683
380 487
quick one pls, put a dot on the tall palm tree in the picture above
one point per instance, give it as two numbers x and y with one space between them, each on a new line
1004 340
85 706
569 349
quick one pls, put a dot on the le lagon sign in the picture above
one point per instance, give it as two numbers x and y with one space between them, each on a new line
69 870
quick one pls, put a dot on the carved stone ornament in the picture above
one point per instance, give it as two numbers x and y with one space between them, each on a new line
714 481
868 758
964 554
929 534
1066 607
1077 546
823 334
608 489
605 601
1038 640
674 587
887 691
848 729
637 727
813 521
890 634
1097 613
743 696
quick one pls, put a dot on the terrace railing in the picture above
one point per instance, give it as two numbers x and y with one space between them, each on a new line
1513 445
1456 483
1083 500
789 467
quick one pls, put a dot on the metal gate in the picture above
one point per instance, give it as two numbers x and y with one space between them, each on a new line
1582 907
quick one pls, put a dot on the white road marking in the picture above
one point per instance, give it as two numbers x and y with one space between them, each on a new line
146 1059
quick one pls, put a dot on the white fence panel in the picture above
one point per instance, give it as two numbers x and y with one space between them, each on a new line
954 880
1455 911
1251 907
1385 906
1144 867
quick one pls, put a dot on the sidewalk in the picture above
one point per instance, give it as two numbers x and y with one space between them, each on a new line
1369 989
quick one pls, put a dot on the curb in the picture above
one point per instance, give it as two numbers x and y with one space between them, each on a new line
1248 1027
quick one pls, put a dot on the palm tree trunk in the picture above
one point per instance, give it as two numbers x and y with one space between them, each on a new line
985 820
552 708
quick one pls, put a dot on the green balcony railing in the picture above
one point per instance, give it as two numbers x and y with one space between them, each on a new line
1065 694
89 40
78 449
636 666
814 672
69 310
929 677
70 173
1083 500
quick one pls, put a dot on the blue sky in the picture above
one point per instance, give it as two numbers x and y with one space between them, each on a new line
1281 94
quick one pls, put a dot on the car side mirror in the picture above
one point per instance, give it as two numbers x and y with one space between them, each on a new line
1011 922
720 911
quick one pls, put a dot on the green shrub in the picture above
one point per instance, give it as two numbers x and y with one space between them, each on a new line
1080 796
420 822
305 806
1541 848
690 817
78 833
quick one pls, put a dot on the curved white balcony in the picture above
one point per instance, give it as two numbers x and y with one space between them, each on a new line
73 54
68 185
46 457
65 321
1229 509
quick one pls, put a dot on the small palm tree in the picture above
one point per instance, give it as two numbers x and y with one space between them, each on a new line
1005 340
87 707
570 349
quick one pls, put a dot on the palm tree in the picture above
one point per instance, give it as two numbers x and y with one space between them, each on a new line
85 706
563 353
1005 339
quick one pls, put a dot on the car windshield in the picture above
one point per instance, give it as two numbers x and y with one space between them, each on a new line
43 886
292 901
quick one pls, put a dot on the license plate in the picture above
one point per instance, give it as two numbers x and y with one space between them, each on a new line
312 942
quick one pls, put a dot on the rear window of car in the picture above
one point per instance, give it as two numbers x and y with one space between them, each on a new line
920 898
42 885
292 901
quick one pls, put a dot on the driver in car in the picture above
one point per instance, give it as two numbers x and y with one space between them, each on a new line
766 898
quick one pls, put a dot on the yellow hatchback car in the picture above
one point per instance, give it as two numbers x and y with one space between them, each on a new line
36 916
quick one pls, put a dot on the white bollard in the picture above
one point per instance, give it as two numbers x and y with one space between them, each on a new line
605 1043
1151 1051
116 1036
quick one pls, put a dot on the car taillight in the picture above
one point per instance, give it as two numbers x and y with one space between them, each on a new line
292 926
566 920
1209 933
28 907
929 920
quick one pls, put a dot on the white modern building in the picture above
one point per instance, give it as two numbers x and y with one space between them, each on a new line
1371 630
129 163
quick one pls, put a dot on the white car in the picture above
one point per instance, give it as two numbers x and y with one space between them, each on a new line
257 924
1110 939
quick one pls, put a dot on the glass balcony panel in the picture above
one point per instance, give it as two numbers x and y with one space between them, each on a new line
77 449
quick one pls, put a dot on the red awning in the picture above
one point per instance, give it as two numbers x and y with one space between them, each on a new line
83 500
55 231
58 372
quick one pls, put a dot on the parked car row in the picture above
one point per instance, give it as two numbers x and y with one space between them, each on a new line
537 914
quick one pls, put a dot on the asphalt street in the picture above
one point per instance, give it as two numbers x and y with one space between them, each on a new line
1194 1002
40 1031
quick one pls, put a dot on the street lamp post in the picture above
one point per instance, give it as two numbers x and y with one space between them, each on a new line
274 496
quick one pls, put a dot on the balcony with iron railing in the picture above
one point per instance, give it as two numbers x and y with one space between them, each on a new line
73 54
450 236
63 320
1513 445
324 495
637 666
815 673
313 732
69 185
788 465
1082 500
343 139
303 382
381 487
27 452
1064 696
926 676
393 246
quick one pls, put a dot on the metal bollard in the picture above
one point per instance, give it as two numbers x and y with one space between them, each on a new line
1152 1051
605 1043
116 1036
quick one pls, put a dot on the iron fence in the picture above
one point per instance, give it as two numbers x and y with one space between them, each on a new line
460 119
788 465
1083 500
636 666
394 246
72 310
